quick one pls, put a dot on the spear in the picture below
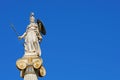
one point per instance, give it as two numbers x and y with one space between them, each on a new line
13 28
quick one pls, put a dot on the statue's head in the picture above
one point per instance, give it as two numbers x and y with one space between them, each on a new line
32 18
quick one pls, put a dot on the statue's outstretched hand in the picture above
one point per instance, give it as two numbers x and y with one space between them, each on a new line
19 37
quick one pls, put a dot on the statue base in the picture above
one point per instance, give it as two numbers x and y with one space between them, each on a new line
31 65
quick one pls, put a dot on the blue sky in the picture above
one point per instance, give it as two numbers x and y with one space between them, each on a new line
82 41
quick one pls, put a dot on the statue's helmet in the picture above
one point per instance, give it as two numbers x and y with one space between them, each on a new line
32 18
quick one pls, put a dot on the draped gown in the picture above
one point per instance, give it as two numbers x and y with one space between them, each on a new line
32 37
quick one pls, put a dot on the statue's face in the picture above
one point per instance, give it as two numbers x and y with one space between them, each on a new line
32 19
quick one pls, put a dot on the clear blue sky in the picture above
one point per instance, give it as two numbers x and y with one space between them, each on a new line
82 41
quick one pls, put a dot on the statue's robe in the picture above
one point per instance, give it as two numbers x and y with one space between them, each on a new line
32 38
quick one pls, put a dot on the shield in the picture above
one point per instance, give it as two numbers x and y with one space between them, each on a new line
41 27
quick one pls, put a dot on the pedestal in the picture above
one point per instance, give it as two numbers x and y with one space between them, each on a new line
31 67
